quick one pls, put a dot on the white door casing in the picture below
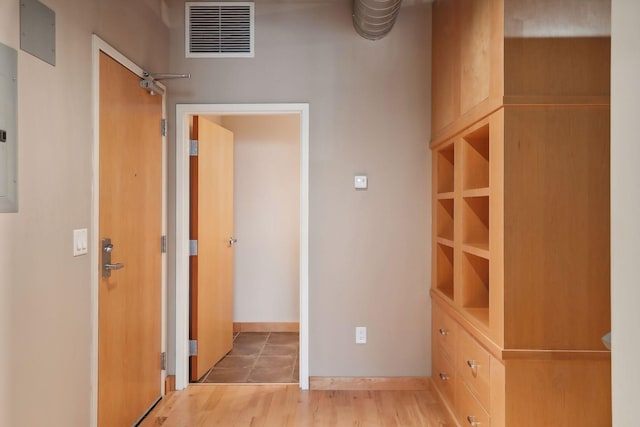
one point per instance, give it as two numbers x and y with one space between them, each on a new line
183 113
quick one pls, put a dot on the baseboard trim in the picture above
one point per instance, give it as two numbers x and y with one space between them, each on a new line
266 327
369 383
169 384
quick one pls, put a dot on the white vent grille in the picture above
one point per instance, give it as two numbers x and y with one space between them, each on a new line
219 29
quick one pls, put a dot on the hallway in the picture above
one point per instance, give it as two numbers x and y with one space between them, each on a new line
258 357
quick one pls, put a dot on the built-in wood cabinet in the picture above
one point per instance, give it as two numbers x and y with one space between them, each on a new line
520 158
489 53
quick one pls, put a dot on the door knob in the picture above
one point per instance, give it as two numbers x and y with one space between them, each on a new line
232 241
107 266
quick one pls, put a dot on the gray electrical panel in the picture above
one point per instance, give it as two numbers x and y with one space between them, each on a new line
8 129
38 30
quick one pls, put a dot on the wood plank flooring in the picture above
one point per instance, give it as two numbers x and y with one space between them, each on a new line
286 405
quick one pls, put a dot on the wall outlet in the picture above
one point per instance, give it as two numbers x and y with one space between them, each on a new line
361 334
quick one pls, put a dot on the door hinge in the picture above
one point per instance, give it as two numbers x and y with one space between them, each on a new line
163 244
163 127
193 347
193 247
193 147
163 361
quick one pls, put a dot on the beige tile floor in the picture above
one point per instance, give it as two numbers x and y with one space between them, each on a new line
258 357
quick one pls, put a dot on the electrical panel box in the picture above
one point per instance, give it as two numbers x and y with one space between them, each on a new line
8 129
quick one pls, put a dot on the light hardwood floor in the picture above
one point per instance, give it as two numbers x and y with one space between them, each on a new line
287 405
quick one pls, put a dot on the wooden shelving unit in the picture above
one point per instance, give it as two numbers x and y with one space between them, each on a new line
520 285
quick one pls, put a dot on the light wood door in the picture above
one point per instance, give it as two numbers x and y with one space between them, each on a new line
129 334
212 227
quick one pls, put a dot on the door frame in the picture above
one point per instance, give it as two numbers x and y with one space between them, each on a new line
98 45
183 112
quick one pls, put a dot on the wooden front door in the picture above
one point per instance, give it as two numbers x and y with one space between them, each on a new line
129 318
212 226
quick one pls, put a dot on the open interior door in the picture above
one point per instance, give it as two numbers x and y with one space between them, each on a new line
212 227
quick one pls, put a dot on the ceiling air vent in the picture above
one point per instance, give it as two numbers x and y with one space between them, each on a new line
219 29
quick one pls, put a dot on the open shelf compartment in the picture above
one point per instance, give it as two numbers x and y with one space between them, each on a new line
445 170
475 222
476 159
475 286
444 219
444 272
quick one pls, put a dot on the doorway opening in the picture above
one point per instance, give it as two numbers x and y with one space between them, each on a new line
279 332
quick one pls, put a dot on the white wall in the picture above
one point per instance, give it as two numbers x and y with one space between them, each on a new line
45 322
369 112
266 217
625 210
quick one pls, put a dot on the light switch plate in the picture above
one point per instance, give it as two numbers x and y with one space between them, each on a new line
80 242
360 182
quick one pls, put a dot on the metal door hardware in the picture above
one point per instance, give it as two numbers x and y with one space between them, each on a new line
232 241
107 266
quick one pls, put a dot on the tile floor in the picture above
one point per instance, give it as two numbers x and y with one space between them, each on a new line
258 357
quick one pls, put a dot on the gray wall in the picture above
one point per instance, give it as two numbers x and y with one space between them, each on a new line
625 210
45 322
369 109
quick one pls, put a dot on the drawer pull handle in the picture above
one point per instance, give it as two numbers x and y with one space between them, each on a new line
472 364
443 331
443 376
472 421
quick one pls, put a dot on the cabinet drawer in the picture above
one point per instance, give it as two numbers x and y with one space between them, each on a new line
473 365
444 331
469 410
444 375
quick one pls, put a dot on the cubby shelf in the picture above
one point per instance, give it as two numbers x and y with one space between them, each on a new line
480 314
445 170
476 159
444 260
445 215
475 221
475 281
